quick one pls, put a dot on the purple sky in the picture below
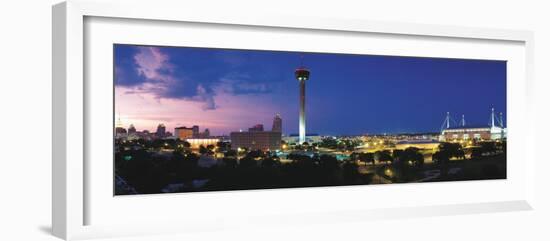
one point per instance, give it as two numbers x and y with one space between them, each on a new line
227 90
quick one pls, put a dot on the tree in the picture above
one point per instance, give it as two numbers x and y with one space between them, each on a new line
397 153
147 174
383 156
170 143
440 157
297 157
350 172
231 153
229 162
460 154
203 150
247 162
368 157
488 147
355 156
242 150
186 144
158 143
223 146
412 157
328 162
255 154
408 162
270 162
329 143
476 153
210 149
452 150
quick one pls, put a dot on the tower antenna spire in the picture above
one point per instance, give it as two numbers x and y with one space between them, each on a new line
118 122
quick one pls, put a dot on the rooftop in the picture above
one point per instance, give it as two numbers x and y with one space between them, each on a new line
307 134
468 127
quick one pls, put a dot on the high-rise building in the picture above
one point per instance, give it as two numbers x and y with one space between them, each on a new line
161 131
256 140
206 133
302 75
183 132
257 127
120 132
131 129
277 124
196 131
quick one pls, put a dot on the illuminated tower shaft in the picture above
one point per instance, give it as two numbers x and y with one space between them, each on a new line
302 74
302 130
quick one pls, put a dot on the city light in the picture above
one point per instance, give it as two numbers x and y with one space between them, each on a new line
389 172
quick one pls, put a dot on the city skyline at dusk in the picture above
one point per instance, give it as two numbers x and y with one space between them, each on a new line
229 90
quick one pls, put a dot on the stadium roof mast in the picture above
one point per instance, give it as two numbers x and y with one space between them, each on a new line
492 117
448 120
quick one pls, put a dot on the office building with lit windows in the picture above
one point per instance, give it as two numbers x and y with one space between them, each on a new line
256 140
183 132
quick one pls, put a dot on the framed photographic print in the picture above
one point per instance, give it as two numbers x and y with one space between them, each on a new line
204 122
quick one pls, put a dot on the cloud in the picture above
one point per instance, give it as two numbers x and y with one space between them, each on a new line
153 73
153 64
206 98
242 84
173 73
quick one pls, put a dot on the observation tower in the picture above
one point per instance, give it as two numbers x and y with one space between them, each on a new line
302 75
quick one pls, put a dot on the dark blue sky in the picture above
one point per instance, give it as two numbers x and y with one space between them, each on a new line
346 94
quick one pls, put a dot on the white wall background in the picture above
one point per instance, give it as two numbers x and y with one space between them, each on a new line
25 100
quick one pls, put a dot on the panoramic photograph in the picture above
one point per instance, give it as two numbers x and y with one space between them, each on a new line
190 119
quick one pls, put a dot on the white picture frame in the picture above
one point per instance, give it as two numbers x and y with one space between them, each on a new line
72 188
